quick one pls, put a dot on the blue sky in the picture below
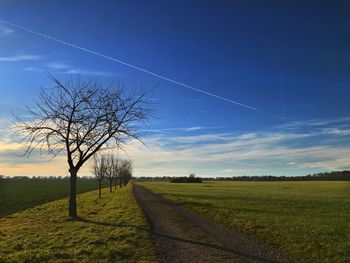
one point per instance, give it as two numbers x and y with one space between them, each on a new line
289 60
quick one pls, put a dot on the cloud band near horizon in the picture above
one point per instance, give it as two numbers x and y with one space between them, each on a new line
173 152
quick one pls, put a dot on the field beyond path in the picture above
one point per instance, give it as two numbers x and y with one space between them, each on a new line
310 221
184 236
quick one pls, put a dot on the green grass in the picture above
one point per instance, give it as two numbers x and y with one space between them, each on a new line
20 194
308 220
111 229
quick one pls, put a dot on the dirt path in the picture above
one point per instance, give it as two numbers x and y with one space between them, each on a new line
185 236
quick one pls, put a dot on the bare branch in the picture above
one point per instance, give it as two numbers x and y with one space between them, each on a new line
83 117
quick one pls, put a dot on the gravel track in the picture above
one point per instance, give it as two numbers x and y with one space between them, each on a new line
181 235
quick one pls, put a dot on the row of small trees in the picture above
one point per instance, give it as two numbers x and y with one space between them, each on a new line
113 169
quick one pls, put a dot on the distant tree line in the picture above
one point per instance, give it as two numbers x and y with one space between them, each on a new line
325 176
190 179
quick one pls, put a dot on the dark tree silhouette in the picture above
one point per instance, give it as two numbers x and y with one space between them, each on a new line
115 171
111 163
99 170
125 172
82 118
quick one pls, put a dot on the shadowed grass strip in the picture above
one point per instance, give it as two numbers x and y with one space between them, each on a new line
110 229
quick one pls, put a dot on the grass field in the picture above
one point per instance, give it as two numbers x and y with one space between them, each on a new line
20 194
110 229
308 220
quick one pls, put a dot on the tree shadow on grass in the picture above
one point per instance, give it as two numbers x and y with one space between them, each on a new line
179 239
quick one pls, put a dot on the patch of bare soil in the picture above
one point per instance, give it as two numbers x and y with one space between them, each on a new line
182 235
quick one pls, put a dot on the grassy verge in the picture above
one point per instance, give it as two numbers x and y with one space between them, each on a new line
110 229
23 193
308 220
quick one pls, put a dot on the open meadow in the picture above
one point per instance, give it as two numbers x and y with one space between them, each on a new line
109 229
308 220
21 193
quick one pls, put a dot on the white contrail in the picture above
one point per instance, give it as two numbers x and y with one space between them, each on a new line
124 63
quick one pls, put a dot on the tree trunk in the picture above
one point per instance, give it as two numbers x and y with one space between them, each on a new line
115 183
99 188
73 194
110 185
120 182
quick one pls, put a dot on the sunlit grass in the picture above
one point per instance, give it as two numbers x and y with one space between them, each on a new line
308 220
110 229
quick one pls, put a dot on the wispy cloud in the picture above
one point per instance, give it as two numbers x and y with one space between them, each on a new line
286 152
336 131
5 31
314 123
276 152
182 129
66 68
34 69
58 65
88 72
20 58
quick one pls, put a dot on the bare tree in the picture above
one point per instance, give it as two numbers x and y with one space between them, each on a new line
82 118
116 172
125 172
114 167
99 170
110 163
